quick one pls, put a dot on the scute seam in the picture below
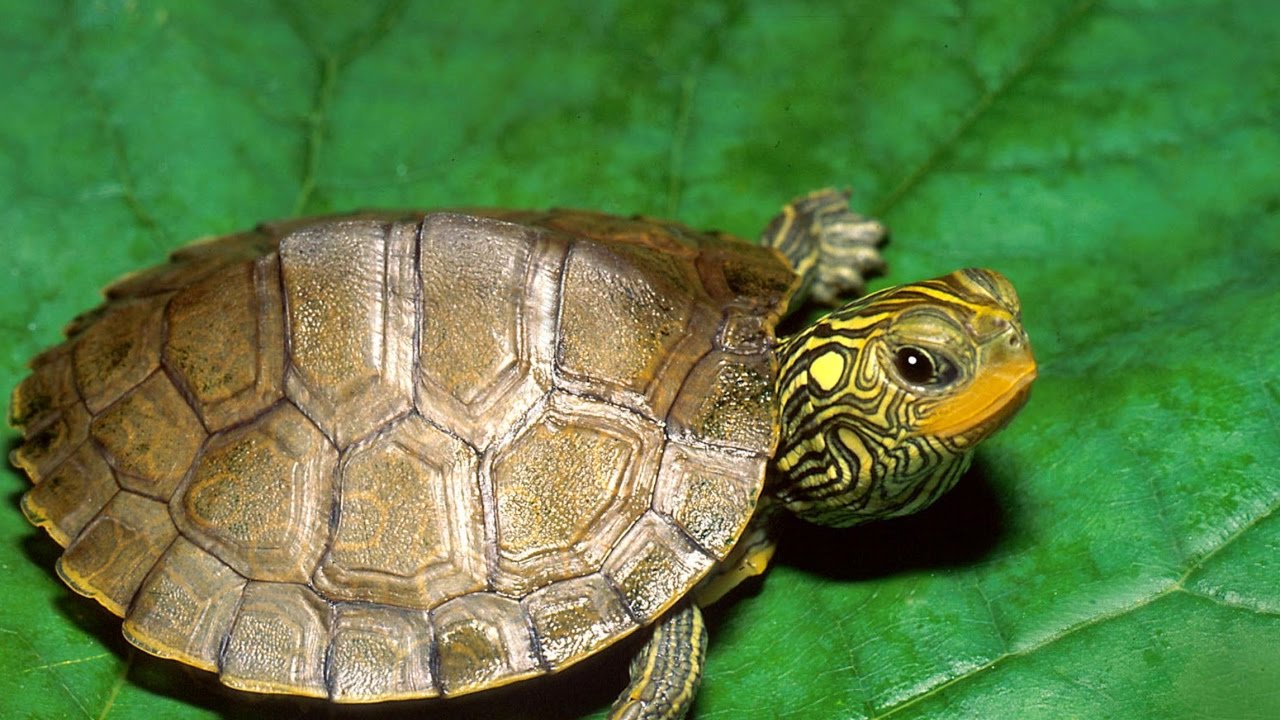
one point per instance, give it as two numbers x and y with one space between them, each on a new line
433 654
28 430
48 523
488 495
97 594
150 571
71 540
181 387
110 461
259 278
416 352
636 620
326 664
685 534
225 643
535 642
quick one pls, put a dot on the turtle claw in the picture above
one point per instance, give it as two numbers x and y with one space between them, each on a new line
831 247
848 254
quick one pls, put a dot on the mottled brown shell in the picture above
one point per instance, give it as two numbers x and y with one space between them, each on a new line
402 455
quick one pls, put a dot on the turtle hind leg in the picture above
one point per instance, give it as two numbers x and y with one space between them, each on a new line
665 674
831 247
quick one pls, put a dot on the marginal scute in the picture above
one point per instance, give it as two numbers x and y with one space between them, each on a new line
46 391
69 497
260 496
751 276
380 653
409 522
573 618
229 248
114 552
150 436
185 607
47 408
658 236
45 446
709 493
567 487
119 350
727 400
489 293
350 298
240 374
654 565
754 283
189 264
278 640
482 640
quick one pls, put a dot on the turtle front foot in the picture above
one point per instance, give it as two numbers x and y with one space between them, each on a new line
833 248
665 674
849 253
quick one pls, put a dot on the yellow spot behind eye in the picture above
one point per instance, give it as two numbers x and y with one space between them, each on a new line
827 369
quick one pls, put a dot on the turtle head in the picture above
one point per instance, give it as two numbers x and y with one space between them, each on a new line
883 400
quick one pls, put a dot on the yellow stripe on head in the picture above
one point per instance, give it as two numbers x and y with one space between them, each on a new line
884 399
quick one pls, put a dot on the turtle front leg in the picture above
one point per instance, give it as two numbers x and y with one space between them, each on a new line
665 674
831 247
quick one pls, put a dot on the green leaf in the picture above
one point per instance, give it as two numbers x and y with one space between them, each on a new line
1114 553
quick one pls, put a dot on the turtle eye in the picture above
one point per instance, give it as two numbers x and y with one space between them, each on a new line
924 368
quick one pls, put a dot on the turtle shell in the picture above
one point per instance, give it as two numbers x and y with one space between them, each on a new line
385 456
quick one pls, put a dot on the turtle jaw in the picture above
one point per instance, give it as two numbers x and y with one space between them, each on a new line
992 399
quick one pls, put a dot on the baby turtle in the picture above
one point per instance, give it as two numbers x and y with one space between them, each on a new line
401 455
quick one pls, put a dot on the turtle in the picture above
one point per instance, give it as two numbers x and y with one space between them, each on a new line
392 455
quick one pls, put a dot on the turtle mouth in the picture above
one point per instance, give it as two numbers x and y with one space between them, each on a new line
987 405
1004 410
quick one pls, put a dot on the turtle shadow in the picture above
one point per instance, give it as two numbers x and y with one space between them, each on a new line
959 530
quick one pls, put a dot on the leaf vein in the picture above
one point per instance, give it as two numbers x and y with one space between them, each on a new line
49 667
1047 641
127 188
1199 563
115 686
330 64
985 102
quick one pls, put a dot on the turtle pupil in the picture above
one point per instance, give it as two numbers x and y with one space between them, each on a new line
917 366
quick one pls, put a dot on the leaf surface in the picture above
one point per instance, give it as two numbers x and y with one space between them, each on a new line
1114 552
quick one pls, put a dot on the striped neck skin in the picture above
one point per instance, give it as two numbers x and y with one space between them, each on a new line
883 400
